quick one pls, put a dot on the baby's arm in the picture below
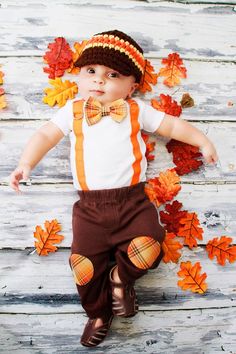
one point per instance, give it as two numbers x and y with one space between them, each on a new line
43 140
181 130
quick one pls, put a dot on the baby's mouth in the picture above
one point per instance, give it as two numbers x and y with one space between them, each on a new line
97 92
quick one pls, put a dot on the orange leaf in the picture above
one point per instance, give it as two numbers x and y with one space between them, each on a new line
75 56
46 239
170 248
173 70
149 77
190 229
220 249
192 279
163 188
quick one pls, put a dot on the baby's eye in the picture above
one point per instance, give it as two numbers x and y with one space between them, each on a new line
113 74
91 70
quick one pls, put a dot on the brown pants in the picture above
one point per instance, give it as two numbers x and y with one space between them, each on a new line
121 221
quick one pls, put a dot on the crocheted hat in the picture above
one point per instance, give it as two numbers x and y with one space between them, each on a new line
116 50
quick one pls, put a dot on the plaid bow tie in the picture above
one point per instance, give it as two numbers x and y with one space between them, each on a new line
94 111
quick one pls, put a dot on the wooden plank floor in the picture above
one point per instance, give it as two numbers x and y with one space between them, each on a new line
40 311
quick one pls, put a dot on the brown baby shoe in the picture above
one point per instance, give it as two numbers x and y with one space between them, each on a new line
92 336
127 305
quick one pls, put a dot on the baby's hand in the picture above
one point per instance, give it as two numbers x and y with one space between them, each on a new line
209 153
21 172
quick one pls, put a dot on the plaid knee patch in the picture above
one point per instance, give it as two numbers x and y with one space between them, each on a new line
143 251
82 269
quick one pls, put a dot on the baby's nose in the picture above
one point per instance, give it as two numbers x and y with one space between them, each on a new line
99 79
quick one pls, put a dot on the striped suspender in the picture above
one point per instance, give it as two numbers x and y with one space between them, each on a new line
79 149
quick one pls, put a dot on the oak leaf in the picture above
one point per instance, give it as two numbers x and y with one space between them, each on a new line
75 56
3 103
184 156
190 230
148 78
193 280
48 237
1 77
167 105
187 101
221 249
163 188
61 92
150 146
172 216
170 248
173 70
59 58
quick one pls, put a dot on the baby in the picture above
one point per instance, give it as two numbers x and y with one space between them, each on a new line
113 215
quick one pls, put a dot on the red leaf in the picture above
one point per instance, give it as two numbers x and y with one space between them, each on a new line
59 58
184 156
172 217
165 104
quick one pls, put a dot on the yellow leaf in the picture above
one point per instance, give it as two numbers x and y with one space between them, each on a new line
3 103
61 92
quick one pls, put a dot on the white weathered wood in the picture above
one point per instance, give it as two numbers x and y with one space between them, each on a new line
19 214
32 284
159 27
206 331
25 81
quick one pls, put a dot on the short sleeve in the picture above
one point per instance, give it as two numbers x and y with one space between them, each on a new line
63 118
151 118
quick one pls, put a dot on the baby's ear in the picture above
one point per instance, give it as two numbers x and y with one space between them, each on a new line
133 88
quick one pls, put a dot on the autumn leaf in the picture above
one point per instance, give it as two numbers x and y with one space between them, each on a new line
149 78
75 56
48 237
184 156
61 92
1 77
59 58
167 105
172 216
170 248
173 70
221 249
190 230
150 146
3 103
193 280
163 188
186 101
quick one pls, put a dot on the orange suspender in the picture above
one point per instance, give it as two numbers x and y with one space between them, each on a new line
79 155
79 151
135 127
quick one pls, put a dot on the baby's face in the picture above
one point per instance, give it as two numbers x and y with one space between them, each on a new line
104 83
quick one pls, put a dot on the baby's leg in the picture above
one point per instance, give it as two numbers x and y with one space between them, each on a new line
89 261
138 248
